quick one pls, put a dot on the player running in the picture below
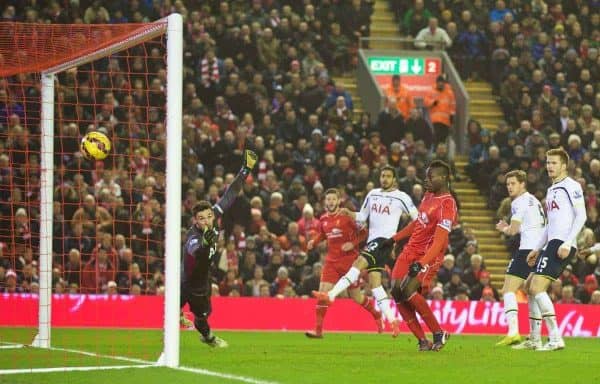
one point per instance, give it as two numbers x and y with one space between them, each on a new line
199 252
422 256
565 207
343 238
382 210
528 219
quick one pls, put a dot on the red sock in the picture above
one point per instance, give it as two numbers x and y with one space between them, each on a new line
410 317
369 304
321 309
420 304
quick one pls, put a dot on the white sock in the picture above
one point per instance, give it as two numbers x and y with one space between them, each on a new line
535 319
548 314
511 313
349 278
384 302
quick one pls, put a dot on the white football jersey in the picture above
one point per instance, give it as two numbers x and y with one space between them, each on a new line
562 200
382 211
528 211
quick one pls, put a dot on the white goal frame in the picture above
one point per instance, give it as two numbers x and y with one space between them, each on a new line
173 28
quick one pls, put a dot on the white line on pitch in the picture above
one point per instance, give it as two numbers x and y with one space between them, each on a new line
144 364
69 369
11 346
224 375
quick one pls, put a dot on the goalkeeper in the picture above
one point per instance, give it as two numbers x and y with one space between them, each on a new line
200 250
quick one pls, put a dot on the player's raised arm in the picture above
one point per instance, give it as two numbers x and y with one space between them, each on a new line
249 161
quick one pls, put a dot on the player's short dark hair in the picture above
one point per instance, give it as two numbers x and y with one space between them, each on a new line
201 206
518 174
560 152
439 164
332 191
389 168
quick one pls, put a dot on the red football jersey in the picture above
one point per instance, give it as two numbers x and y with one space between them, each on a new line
434 211
338 229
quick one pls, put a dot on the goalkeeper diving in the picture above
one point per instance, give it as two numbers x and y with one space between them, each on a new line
200 250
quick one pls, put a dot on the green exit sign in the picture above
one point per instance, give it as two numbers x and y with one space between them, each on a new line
397 66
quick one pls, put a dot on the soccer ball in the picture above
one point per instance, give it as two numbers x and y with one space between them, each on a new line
95 146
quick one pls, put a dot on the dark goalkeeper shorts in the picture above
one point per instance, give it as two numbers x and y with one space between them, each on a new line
199 303
518 265
376 254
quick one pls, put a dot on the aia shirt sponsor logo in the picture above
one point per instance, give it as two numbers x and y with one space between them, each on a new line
552 205
380 208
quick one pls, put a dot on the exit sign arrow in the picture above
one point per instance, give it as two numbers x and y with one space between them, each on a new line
416 68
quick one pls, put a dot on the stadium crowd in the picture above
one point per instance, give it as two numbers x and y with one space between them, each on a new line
263 71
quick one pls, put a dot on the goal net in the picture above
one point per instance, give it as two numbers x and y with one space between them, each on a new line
90 250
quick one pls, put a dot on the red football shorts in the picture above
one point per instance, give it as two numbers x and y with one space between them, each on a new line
334 270
405 259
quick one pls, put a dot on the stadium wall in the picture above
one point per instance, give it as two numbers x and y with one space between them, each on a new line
273 314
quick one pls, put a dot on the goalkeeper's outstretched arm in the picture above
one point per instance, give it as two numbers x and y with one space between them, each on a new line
226 201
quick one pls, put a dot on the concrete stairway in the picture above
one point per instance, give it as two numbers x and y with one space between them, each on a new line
383 25
475 216
483 106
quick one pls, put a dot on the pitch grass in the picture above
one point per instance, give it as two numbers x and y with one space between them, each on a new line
288 357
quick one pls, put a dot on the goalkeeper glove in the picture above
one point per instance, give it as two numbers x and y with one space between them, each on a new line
249 159
209 236
414 269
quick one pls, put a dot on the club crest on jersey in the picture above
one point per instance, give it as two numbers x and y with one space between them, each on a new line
380 208
423 219
577 195
552 205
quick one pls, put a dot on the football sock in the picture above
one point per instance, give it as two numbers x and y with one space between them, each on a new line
410 317
321 310
384 303
511 313
420 305
548 314
368 303
201 324
349 278
535 319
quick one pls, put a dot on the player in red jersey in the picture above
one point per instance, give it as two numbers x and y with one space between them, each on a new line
343 238
422 256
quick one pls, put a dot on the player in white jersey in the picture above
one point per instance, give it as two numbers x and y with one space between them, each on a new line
527 219
565 208
381 210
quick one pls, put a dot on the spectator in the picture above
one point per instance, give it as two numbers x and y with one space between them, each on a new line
97 273
484 284
416 18
442 107
433 35
455 286
584 293
472 274
445 272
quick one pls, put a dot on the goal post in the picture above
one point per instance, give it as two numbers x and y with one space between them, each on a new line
81 47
